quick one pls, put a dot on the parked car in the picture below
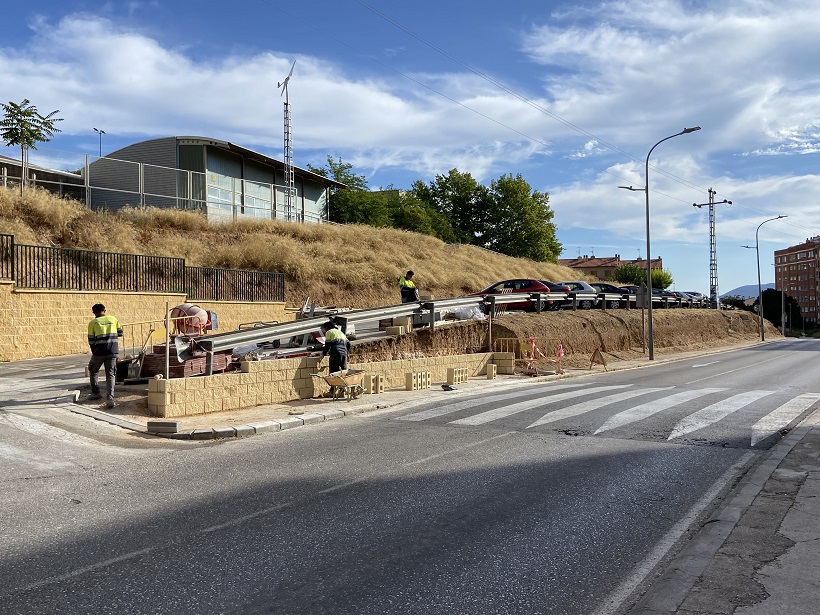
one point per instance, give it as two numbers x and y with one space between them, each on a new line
696 295
521 285
556 287
610 289
582 287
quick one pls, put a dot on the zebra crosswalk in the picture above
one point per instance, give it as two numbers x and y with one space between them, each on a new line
751 416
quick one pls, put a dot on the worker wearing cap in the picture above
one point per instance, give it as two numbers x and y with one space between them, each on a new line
103 334
337 346
407 287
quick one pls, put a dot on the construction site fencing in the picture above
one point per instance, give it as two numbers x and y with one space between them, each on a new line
73 269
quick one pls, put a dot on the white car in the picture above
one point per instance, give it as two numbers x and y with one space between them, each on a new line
577 286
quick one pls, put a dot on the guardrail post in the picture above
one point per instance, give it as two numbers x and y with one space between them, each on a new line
342 322
432 307
208 347
537 299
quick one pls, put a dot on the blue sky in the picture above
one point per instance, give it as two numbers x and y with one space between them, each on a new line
571 95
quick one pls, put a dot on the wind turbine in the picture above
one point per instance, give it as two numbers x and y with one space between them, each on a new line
290 183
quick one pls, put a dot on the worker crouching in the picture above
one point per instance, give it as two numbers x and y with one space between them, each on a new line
338 347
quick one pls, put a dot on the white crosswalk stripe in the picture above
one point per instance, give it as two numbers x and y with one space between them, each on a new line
463 405
505 411
593 404
782 416
696 420
716 412
653 407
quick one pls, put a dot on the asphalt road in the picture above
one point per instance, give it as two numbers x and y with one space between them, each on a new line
553 497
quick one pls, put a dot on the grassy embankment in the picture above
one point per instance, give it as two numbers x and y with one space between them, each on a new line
353 265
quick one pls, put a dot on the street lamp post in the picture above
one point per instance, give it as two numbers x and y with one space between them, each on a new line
759 286
101 133
651 342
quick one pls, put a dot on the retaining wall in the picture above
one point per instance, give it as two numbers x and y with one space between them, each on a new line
47 323
282 380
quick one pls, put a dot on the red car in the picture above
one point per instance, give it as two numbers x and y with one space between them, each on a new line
523 285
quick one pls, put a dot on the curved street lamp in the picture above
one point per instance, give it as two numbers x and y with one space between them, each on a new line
645 189
759 286
101 133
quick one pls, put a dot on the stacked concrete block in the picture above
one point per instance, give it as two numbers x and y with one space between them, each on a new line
395 330
404 321
373 384
505 362
456 375
492 371
417 381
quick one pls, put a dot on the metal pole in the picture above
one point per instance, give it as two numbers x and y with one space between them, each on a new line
782 313
759 286
648 247
167 340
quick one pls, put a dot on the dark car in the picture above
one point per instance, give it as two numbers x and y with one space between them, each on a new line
521 285
611 289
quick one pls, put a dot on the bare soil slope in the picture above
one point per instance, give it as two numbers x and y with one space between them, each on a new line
616 333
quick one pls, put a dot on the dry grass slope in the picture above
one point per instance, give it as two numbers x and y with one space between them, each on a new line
352 265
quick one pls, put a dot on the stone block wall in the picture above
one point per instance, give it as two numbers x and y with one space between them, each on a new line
282 380
46 323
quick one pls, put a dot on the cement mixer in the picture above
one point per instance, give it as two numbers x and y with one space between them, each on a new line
190 319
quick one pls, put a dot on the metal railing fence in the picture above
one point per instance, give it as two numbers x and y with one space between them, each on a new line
73 269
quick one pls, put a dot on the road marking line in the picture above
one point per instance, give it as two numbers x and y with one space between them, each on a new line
593 404
247 517
343 485
462 405
651 408
705 364
79 571
458 450
782 416
505 411
732 371
714 413
614 601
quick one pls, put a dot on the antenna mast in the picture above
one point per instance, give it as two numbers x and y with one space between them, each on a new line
714 295
290 184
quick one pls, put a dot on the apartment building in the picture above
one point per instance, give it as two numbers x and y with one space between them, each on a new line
796 270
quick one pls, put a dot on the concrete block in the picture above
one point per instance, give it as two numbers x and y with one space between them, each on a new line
456 375
394 331
411 381
265 426
290 422
404 321
224 432
243 431
202 434
332 414
310 418
492 371
163 426
373 384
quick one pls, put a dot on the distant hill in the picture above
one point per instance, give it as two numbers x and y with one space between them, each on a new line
745 292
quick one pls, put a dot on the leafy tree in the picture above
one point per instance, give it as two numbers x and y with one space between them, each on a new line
412 214
633 273
360 207
520 219
462 201
630 273
735 301
341 172
661 278
23 125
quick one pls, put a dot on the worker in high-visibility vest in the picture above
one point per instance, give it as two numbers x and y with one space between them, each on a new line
103 334
337 346
407 287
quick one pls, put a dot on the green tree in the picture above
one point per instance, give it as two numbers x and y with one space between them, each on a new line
630 273
462 201
735 301
23 125
360 207
661 278
412 214
521 221
341 172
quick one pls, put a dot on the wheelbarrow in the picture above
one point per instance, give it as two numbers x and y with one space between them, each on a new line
345 383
